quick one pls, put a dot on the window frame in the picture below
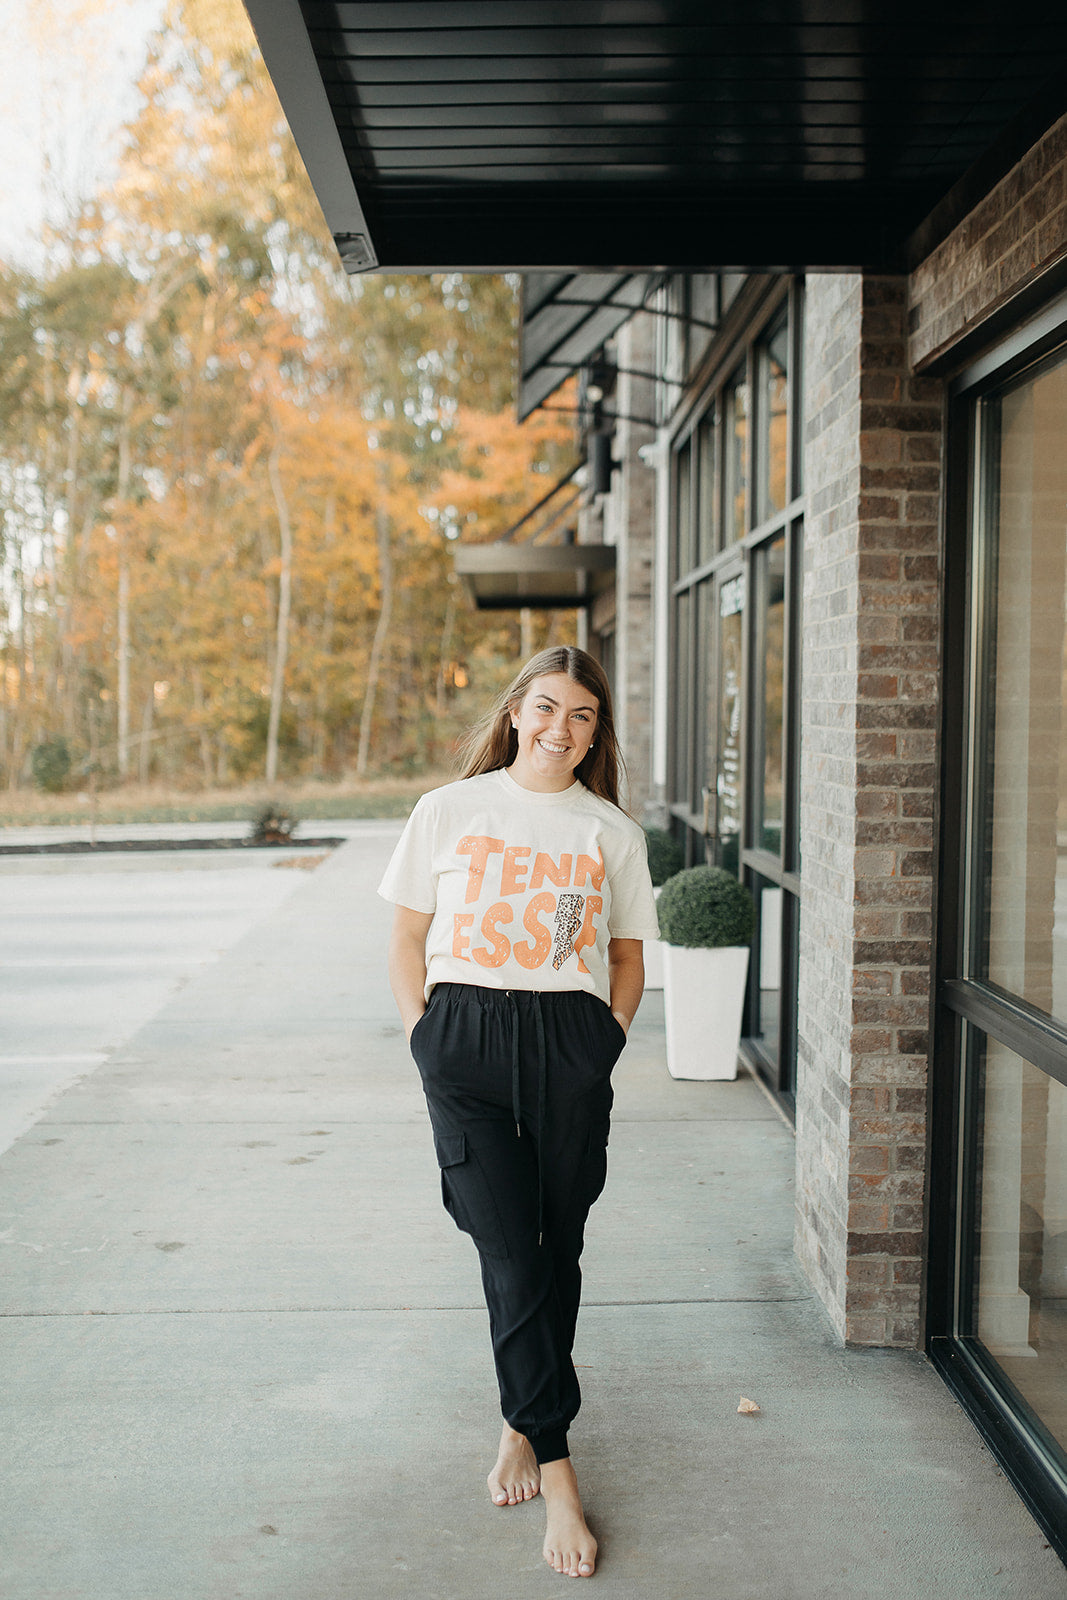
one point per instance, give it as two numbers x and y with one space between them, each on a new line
964 1007
689 759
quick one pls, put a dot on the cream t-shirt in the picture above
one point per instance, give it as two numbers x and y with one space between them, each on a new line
526 889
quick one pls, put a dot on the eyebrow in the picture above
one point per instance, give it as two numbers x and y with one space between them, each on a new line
552 702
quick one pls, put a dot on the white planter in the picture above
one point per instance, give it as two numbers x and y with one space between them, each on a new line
703 998
653 954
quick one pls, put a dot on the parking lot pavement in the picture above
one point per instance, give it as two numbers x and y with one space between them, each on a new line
92 946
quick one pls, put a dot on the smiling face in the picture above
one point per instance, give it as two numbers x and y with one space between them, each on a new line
556 723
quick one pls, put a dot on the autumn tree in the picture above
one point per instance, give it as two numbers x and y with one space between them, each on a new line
230 477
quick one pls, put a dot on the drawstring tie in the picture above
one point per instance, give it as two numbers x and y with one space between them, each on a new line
516 1092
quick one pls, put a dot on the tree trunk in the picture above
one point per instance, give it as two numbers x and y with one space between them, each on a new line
123 695
445 655
526 634
144 758
281 634
202 732
318 738
381 631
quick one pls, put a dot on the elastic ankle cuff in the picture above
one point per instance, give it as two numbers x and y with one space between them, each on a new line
551 1446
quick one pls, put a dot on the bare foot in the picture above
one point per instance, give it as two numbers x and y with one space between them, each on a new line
569 1546
516 1476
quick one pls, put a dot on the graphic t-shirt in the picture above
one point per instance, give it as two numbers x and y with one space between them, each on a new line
526 889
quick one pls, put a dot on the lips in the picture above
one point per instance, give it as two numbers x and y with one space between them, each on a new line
553 749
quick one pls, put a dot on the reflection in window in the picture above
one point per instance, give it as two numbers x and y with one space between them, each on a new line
684 538
683 668
774 419
768 953
708 489
728 782
1024 892
707 713
1019 1285
771 590
735 431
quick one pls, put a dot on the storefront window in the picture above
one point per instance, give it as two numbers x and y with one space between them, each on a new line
708 465
770 655
683 669
684 542
734 715
766 1023
1019 1280
735 437
773 367
728 778
1023 895
998 1280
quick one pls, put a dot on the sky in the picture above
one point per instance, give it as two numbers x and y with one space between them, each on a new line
68 71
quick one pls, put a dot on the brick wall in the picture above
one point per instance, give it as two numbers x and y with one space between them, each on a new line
1013 236
870 665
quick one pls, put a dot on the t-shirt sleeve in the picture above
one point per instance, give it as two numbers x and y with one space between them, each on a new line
633 905
409 878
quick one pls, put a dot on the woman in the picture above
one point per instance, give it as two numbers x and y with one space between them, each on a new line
522 896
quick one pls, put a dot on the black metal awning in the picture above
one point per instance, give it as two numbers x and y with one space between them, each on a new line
566 317
648 135
552 577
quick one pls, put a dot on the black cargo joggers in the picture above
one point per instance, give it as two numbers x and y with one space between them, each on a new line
518 1086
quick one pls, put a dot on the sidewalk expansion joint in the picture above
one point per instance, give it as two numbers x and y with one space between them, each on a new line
391 1311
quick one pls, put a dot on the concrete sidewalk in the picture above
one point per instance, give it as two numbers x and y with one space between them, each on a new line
245 1353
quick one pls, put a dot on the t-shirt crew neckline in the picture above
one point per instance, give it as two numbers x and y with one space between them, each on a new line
540 797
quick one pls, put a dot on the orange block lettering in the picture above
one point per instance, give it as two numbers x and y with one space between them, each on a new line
591 868
501 912
587 933
461 922
479 847
535 954
544 868
513 872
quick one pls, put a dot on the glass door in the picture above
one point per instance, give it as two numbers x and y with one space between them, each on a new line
999 1258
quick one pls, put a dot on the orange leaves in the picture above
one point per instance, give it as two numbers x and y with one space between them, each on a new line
199 371
500 469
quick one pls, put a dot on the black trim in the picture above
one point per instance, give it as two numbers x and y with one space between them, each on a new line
1042 1491
1040 1039
964 1008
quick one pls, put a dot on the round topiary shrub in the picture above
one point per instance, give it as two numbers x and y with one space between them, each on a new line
665 855
705 908
50 764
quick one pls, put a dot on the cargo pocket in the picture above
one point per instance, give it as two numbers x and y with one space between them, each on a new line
466 1194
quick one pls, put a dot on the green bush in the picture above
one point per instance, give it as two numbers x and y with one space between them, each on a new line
705 908
665 855
50 764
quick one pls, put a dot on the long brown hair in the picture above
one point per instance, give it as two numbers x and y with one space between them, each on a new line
493 743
